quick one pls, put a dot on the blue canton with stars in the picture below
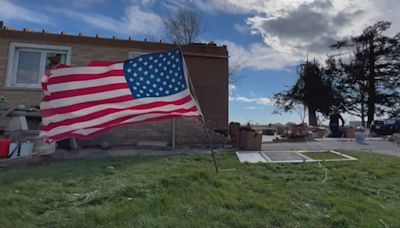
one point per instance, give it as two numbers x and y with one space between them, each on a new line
155 75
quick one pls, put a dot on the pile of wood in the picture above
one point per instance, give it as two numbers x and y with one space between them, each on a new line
234 134
282 130
244 137
348 131
299 132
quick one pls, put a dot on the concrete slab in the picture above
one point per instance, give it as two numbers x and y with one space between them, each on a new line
295 156
284 156
250 157
380 147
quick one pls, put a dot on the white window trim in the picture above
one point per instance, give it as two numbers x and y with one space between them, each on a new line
12 63
136 53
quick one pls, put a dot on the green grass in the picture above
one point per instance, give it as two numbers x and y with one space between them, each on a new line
184 191
322 155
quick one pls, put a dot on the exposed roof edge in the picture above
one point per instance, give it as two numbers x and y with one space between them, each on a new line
197 49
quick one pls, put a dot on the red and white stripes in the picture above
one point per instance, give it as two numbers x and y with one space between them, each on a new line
85 101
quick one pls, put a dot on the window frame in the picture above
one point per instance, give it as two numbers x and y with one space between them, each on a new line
136 53
13 61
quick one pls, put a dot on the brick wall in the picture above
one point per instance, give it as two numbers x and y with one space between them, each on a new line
207 65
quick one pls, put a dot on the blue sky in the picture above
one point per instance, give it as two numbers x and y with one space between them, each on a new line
266 38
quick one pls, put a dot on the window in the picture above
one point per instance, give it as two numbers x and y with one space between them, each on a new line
27 63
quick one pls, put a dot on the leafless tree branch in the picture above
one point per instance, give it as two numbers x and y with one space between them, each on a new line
184 27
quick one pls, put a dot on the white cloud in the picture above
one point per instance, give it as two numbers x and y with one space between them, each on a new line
241 28
292 28
231 88
140 21
147 2
11 11
259 56
134 21
309 27
250 108
231 6
82 3
266 101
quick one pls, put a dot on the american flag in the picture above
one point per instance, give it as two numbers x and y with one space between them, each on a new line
83 102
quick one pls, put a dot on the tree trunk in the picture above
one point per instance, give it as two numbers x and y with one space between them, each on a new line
362 110
312 117
371 102
371 85
362 115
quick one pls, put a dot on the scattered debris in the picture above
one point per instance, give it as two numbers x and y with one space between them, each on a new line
105 145
90 194
380 220
326 175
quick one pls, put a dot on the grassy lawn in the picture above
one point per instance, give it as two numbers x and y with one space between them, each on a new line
322 155
184 191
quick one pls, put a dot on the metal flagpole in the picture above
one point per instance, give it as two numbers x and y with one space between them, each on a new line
211 144
198 106
173 143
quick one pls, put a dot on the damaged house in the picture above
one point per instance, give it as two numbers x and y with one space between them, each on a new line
26 55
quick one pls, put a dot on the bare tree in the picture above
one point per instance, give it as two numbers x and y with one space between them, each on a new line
184 27
234 73
299 109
